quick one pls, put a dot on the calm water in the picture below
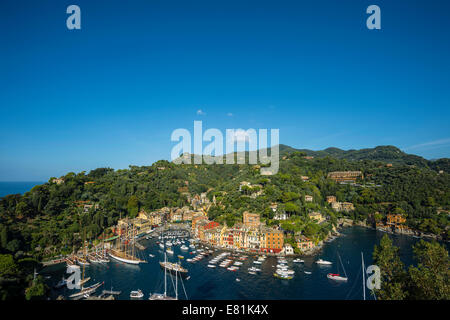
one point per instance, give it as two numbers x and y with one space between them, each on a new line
14 187
219 283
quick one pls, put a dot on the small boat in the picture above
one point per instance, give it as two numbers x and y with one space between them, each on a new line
61 283
211 266
83 262
253 269
237 279
252 272
282 276
320 261
151 255
169 251
94 260
336 277
307 272
298 260
137 294
161 245
184 248
180 257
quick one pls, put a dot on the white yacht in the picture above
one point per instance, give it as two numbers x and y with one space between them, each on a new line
320 261
137 294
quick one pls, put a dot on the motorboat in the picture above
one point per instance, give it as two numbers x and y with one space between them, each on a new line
137 294
320 261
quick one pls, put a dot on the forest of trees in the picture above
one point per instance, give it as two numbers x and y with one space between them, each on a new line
429 279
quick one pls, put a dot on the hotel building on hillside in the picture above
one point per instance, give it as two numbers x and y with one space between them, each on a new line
345 176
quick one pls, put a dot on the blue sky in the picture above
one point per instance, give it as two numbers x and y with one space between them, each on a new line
111 93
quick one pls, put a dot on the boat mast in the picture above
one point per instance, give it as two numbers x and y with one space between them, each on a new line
84 262
176 284
165 274
340 260
133 244
364 276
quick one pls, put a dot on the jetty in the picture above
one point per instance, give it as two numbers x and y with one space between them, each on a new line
53 262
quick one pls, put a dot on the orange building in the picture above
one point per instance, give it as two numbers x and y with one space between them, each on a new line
274 240
394 219
304 243
251 219
196 219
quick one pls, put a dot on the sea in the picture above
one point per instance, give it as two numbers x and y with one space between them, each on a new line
17 187
214 284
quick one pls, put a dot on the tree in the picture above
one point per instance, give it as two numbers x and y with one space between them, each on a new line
292 207
3 237
8 268
133 206
393 276
430 280
36 291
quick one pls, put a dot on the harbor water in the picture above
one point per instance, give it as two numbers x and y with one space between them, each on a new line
220 283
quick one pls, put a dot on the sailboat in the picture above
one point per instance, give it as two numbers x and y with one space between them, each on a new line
83 280
88 290
124 252
337 276
164 296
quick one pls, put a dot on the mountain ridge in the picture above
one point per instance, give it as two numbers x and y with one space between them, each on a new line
387 154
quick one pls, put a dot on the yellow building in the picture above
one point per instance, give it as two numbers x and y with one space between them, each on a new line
317 216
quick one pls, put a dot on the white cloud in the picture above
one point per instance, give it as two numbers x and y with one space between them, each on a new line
200 112
430 144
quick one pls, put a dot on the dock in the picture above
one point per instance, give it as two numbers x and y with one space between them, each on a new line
53 262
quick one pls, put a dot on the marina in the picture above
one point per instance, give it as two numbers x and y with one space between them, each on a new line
212 274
